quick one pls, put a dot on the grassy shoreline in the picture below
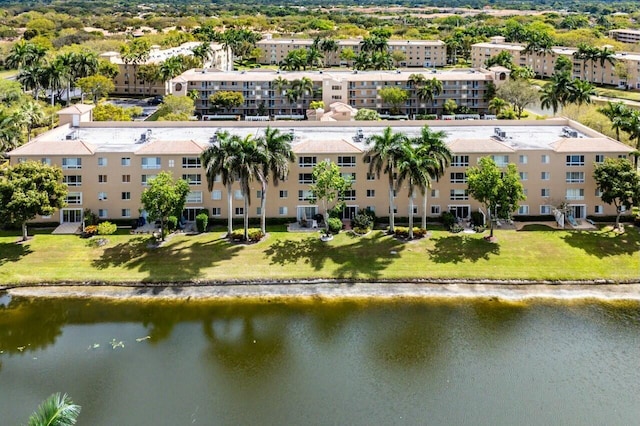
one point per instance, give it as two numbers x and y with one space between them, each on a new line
538 255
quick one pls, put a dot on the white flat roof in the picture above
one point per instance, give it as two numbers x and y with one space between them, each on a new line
113 138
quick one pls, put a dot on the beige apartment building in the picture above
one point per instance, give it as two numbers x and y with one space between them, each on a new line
263 97
543 63
418 53
107 166
127 83
625 35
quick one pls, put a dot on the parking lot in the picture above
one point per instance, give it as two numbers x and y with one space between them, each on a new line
147 109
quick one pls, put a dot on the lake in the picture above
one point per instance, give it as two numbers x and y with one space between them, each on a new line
438 361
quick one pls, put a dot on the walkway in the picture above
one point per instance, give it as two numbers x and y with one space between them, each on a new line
68 228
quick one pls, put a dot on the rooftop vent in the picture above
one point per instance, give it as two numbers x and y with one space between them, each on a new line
568 132
72 136
499 133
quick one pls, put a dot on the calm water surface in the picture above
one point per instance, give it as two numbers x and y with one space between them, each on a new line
473 362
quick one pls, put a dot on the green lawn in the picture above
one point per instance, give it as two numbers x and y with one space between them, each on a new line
8 73
608 92
534 255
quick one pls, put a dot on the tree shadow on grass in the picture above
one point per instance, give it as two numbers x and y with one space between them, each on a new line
361 258
13 252
461 248
175 261
605 243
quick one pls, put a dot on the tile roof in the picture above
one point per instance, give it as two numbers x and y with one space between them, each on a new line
162 147
589 145
44 147
479 145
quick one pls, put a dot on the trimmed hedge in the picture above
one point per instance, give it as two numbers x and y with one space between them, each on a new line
202 220
403 232
254 234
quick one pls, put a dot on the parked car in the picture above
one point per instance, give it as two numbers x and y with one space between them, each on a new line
156 100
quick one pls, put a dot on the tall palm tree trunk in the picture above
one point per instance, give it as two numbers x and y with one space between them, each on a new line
424 209
229 211
263 213
246 218
391 208
411 217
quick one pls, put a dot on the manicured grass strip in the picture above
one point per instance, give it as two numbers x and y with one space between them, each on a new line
540 254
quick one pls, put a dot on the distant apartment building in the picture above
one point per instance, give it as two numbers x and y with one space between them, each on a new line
625 35
128 83
264 96
418 53
107 166
543 63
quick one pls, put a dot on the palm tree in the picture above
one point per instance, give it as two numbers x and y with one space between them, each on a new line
57 410
631 125
247 163
314 58
149 74
203 53
383 157
303 86
277 155
549 98
55 75
11 125
170 68
429 90
32 115
617 114
31 77
411 167
279 86
580 92
605 55
292 95
381 60
436 155
497 105
329 46
216 161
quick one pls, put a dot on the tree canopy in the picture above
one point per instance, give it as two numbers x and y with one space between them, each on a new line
328 188
164 197
619 182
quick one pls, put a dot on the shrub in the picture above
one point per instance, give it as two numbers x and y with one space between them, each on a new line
106 228
479 229
448 220
202 220
456 228
403 232
90 218
90 231
361 231
254 234
426 117
477 219
172 223
362 220
335 225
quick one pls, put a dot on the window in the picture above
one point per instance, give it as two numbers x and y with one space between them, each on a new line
216 211
172 163
545 209
435 193
126 212
259 194
459 194
103 213
190 162
282 211
575 177
575 194
523 210
598 192
239 211
459 177
149 163
125 161
46 161
146 179
524 175
575 160
216 194
349 195
193 179
74 198
126 195
371 208
72 163
102 162
351 177
307 161
545 159
371 176
258 211
304 195
544 192
126 178
102 196
238 195
371 193
545 175
500 160
435 209
305 178
599 209
346 161
460 161
102 178
284 194
599 158
194 197
522 159
74 180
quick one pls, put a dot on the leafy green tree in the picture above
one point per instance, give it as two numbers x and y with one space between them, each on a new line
450 106
328 188
32 115
29 189
57 410
503 59
494 189
394 96
518 93
383 157
619 182
226 99
97 86
176 108
11 125
365 114
563 64
110 112
164 197
496 105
